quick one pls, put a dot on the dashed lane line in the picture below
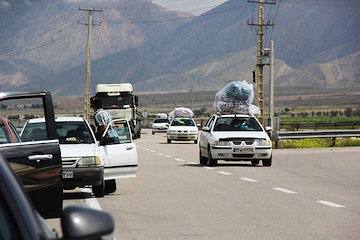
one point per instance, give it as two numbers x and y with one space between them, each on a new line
284 190
179 160
224 173
249 179
168 156
330 204
160 154
209 168
192 163
152 151
147 149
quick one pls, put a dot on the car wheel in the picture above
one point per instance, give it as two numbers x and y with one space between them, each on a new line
196 141
255 162
110 186
152 132
168 141
99 191
267 162
202 159
210 161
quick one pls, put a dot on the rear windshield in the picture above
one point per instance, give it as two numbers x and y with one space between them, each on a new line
68 132
182 122
237 124
161 120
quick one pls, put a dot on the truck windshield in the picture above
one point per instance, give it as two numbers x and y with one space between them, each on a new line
237 124
110 102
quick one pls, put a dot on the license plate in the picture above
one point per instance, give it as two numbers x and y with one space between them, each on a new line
67 174
237 150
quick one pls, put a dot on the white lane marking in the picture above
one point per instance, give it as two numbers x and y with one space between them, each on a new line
208 168
192 163
331 204
160 154
147 149
283 190
91 202
168 156
249 179
152 151
179 160
224 173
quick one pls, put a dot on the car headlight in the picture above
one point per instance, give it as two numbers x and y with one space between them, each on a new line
222 143
89 161
263 142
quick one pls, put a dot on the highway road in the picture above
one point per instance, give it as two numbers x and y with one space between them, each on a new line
306 194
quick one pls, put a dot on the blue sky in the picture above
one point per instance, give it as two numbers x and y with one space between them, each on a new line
195 7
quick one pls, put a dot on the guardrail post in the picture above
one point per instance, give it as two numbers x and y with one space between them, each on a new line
315 126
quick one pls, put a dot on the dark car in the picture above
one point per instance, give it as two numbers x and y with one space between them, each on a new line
19 220
36 163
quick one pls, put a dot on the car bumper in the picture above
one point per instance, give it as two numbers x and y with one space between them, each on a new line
182 137
81 177
227 153
159 130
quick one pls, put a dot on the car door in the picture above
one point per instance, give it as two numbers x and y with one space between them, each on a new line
38 163
118 151
204 138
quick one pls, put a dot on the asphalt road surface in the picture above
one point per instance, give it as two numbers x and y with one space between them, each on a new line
306 194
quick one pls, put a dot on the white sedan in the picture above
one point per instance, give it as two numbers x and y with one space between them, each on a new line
234 138
85 161
182 129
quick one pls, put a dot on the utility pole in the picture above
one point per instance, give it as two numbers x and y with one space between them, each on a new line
89 24
260 52
271 85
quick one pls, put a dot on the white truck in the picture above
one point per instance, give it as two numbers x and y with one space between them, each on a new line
120 101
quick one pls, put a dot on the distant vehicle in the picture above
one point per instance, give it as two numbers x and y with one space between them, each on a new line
87 162
160 125
20 221
37 163
234 138
182 129
120 101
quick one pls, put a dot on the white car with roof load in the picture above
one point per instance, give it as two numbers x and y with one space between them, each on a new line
182 129
88 162
234 137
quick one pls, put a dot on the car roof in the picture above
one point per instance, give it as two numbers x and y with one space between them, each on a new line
58 119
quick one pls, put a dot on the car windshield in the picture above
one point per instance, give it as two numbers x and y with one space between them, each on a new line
237 124
182 122
161 120
70 132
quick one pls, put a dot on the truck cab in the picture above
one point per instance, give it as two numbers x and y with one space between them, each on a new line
120 102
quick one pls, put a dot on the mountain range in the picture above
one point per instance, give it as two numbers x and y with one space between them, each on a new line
161 50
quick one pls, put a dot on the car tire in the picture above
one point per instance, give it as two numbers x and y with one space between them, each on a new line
255 162
202 159
99 191
210 161
168 141
196 141
152 132
110 186
267 162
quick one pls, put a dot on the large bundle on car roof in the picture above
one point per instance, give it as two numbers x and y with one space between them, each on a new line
181 112
236 97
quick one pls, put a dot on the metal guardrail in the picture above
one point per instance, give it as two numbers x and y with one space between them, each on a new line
317 125
316 134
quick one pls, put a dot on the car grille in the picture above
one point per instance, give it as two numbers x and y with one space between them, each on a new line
68 161
185 131
238 141
243 155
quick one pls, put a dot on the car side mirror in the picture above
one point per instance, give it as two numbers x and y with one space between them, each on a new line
136 101
85 223
198 125
206 129
268 129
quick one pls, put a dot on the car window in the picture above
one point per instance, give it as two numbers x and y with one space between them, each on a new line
161 120
182 122
70 132
210 122
7 224
118 133
8 133
237 124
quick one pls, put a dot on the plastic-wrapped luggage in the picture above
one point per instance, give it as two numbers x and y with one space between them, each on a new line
181 112
236 97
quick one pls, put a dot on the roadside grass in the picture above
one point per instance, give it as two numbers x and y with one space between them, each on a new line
319 143
289 119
